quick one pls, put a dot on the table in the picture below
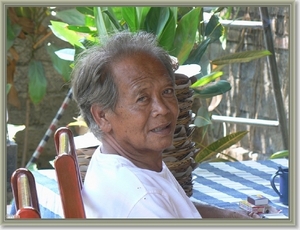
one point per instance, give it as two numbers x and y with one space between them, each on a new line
223 184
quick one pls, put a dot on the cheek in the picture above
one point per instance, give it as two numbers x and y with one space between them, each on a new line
175 109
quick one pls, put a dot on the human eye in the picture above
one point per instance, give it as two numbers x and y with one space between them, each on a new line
142 99
169 91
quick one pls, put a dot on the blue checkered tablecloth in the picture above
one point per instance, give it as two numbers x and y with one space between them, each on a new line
219 184
224 184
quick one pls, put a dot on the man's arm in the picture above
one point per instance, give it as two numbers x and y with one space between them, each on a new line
209 211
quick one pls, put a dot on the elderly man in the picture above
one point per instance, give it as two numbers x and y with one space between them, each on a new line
125 92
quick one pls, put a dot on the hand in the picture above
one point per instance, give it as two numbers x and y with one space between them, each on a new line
241 214
209 211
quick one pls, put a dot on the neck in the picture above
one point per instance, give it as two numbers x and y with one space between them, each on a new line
145 160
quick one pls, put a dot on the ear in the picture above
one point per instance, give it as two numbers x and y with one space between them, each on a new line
99 116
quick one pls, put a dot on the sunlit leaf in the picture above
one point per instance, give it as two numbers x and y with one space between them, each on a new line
207 79
219 145
81 29
245 56
66 54
280 154
37 81
60 30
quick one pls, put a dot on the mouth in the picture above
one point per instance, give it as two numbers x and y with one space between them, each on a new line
163 129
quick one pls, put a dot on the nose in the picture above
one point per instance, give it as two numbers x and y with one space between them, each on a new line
160 106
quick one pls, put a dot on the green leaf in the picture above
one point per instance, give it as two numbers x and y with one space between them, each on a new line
112 17
60 30
166 38
117 12
241 57
71 17
90 21
196 55
214 30
207 79
203 117
61 66
130 16
185 35
80 29
12 31
100 24
219 145
156 20
280 154
213 89
141 16
86 10
103 23
37 81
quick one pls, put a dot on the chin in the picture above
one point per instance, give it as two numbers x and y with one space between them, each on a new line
167 145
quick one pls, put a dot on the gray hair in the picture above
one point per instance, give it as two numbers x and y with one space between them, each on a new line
92 76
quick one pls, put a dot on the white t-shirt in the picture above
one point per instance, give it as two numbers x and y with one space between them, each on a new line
115 188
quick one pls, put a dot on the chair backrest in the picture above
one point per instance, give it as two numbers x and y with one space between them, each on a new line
68 174
68 178
25 195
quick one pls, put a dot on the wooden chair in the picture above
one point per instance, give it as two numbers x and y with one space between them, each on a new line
68 174
68 179
25 195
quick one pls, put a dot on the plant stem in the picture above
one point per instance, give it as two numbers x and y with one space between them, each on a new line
41 40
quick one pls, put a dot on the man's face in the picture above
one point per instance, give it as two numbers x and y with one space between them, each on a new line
146 113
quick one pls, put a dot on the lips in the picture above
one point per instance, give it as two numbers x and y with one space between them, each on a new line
162 129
